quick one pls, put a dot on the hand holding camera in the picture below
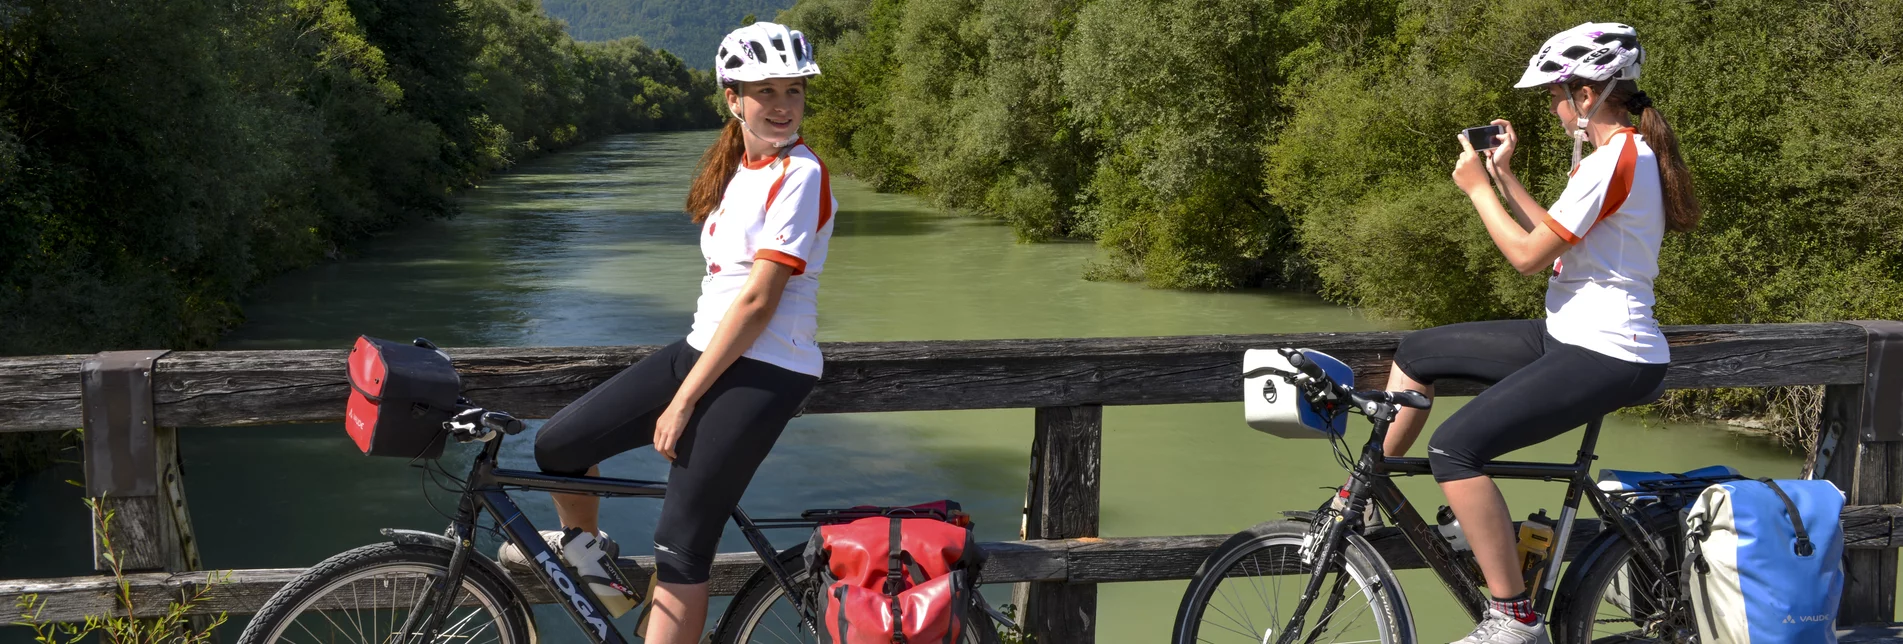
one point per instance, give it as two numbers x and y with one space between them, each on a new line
1482 146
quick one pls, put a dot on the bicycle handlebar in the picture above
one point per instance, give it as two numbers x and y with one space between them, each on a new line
478 424
1316 381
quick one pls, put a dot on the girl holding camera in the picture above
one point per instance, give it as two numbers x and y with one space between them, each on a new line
1599 348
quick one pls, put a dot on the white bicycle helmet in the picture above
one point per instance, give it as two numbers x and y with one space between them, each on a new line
1595 51
764 50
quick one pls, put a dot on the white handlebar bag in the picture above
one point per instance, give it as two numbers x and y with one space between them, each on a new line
1274 403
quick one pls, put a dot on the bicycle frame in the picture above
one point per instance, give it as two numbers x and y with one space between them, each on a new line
488 491
1371 480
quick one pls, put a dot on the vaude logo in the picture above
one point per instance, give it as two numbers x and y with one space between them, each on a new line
574 597
1807 618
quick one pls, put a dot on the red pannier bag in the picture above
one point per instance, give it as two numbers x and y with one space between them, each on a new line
882 571
400 396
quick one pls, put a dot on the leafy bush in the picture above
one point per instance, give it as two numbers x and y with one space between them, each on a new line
174 626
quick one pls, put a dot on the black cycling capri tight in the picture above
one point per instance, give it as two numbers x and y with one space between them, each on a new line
1543 387
730 433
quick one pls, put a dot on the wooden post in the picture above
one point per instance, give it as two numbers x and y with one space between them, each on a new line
1064 503
1860 448
132 468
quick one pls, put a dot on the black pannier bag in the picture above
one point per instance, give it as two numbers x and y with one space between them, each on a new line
400 395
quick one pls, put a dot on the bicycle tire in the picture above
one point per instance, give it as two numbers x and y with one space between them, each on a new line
1601 600
759 600
1280 543
387 569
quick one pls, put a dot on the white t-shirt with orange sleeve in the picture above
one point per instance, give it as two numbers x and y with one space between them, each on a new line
779 211
1613 213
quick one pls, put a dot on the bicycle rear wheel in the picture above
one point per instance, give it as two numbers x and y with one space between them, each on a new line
366 595
762 614
1247 590
1613 600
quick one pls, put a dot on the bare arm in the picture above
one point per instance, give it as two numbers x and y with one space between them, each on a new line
1518 199
743 323
1530 251
1500 158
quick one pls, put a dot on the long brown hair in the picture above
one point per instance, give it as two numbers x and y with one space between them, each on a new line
717 167
1681 201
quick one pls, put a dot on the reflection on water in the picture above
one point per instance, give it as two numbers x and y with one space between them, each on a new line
589 247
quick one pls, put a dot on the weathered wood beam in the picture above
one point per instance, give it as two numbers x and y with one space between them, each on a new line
1116 559
1888 633
220 388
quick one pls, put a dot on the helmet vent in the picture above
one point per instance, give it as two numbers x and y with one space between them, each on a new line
778 44
759 52
1627 41
1575 51
1550 67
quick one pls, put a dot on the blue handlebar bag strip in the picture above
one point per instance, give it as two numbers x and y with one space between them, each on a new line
1274 403
1765 561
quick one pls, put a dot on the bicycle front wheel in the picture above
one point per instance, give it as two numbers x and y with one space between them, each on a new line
367 596
1248 589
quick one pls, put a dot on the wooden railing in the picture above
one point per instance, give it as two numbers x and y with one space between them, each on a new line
130 404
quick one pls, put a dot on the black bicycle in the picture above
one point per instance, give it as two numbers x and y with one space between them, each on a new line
1317 577
426 587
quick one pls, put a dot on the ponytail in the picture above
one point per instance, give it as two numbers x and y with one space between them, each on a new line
1675 180
1681 203
717 167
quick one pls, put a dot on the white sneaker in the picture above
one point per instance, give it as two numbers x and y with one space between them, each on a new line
593 557
1500 628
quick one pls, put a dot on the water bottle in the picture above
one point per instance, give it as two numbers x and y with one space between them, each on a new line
1463 552
1450 530
1536 547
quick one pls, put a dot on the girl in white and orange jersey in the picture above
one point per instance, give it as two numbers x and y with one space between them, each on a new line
715 402
1599 348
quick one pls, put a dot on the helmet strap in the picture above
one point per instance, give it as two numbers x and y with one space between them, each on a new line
749 128
789 140
1583 120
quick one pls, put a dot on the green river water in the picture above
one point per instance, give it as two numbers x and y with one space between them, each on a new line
589 247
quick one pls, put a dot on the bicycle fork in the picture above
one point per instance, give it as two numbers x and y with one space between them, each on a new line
436 603
1327 558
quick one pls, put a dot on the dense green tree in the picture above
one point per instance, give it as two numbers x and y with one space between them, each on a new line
158 157
851 101
691 30
1180 96
1221 143
1793 158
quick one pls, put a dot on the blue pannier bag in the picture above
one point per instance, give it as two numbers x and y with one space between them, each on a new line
1765 561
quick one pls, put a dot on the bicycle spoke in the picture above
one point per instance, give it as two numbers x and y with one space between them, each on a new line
1251 589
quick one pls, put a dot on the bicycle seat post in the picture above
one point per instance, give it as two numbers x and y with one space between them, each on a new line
1587 444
